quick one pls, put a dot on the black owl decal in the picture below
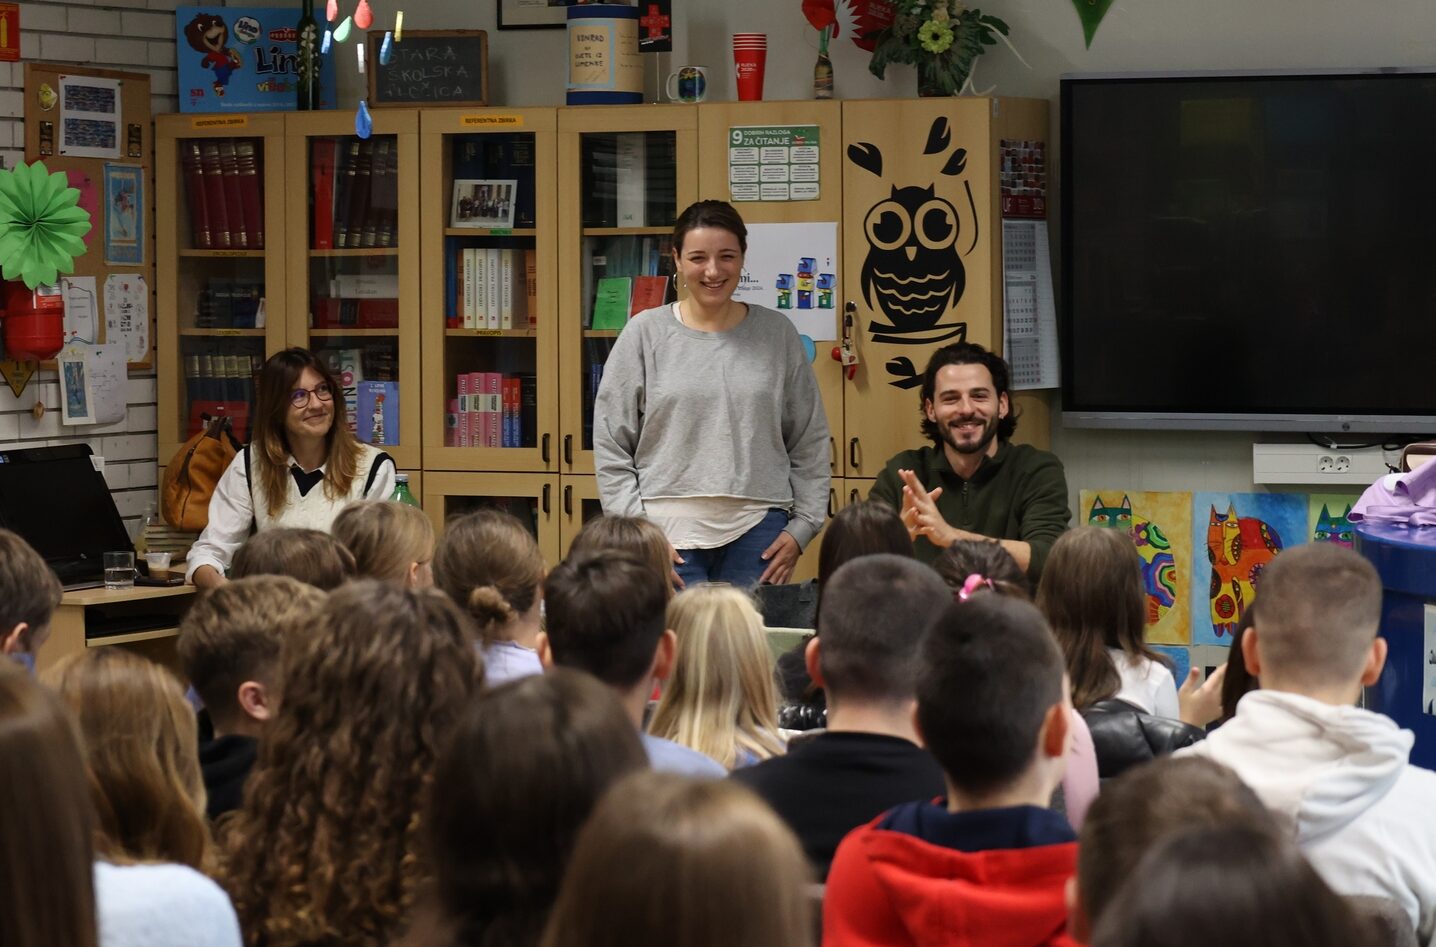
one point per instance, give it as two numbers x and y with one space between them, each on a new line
913 273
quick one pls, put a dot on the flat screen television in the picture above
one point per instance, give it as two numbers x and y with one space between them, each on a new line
1251 252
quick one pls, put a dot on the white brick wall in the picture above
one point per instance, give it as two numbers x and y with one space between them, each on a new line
133 36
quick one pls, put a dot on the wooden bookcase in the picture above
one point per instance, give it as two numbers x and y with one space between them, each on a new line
490 144
358 307
198 288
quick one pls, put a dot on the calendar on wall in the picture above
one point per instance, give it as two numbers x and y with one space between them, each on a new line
1029 333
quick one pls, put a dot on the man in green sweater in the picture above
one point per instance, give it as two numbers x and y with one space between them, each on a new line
972 483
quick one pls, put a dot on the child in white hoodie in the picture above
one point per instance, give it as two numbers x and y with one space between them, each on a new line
1362 814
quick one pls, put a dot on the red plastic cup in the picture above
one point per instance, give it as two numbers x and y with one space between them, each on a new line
750 56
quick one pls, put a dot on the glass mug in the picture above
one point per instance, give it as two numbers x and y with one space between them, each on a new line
691 82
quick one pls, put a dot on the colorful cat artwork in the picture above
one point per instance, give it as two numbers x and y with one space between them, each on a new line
1159 567
1334 529
1239 548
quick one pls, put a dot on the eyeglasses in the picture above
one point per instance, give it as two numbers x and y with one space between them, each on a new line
299 397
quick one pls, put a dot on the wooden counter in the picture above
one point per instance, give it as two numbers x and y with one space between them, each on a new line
144 619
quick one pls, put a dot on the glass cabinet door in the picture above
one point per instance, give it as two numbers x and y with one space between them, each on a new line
531 498
490 386
624 176
220 266
578 503
354 285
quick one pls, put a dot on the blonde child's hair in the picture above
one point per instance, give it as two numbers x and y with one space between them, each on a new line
386 538
634 534
721 699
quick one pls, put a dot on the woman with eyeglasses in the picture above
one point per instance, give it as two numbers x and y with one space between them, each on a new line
300 469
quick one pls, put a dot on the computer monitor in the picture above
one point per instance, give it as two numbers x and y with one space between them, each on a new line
56 500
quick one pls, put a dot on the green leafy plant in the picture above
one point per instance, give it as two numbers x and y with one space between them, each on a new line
42 228
942 38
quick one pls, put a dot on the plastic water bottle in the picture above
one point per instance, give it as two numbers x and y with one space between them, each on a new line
401 492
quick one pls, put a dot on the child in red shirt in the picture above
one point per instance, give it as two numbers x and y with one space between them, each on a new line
989 864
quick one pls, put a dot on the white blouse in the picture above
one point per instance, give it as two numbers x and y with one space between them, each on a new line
1146 683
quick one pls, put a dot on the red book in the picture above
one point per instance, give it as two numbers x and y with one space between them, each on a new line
214 195
512 398
251 194
647 293
233 203
321 162
200 236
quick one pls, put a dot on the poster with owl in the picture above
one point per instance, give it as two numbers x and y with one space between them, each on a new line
1237 536
1160 525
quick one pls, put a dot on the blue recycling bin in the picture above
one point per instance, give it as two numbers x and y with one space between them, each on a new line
1405 558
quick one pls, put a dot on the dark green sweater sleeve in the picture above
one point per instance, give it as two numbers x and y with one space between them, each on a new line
887 489
1045 514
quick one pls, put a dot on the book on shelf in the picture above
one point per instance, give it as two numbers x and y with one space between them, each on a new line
322 157
347 365
528 410
492 409
378 407
451 424
492 262
224 192
494 288
648 293
610 306
506 289
531 288
631 189
229 303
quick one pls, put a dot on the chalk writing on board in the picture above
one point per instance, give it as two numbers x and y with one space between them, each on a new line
450 68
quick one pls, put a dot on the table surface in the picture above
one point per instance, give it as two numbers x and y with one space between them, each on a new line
104 596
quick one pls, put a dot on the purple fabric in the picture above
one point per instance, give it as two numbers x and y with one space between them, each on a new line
1408 498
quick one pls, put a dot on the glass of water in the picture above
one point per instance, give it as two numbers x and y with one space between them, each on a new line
120 570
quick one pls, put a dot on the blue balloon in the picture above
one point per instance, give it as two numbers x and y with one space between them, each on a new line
363 123
386 49
810 348
324 44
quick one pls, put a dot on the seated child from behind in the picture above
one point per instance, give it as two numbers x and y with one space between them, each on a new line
989 864
229 648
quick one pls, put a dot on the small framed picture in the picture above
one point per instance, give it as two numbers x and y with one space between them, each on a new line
533 14
483 204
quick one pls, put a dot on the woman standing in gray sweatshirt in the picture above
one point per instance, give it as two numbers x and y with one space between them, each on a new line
708 419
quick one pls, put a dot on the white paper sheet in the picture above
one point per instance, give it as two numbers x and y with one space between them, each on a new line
89 117
92 383
127 314
81 309
1029 324
793 268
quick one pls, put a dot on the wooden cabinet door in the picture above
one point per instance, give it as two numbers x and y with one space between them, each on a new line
532 498
578 504
715 125
807 567
921 243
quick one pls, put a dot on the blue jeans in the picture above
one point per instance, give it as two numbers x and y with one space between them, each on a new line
739 563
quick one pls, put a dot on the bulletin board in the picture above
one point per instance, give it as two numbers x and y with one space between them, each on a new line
95 125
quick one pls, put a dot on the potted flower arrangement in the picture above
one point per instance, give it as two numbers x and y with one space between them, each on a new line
942 38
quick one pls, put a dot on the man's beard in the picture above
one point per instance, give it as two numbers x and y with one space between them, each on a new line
989 431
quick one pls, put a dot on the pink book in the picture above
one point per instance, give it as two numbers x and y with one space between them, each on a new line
464 436
451 424
493 409
476 409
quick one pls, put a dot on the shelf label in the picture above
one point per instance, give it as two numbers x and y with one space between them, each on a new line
219 121
229 332
491 121
500 232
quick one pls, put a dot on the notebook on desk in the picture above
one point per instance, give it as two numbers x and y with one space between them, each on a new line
60 504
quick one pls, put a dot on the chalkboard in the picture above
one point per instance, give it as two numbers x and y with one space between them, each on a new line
431 67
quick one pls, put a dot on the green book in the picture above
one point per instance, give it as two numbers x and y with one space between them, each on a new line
610 304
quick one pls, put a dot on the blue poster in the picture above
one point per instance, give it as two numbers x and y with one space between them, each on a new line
242 59
124 216
1237 536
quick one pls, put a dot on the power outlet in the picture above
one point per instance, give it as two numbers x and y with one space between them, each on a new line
1343 463
1326 463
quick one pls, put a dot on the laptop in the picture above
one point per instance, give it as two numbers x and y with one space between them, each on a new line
60 504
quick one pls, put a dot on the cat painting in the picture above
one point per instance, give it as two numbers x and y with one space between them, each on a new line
1238 548
1333 529
1159 567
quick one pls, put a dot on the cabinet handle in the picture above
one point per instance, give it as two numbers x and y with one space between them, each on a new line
832 453
832 501
853 496
568 450
545 450
853 453
568 500
545 498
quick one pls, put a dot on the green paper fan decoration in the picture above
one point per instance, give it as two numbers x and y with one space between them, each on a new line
42 227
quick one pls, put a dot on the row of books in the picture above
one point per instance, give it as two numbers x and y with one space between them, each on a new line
595 353
230 303
491 157
493 288
355 198
492 410
630 179
224 189
623 276
213 376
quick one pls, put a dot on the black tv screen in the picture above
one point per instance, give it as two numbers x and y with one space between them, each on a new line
1250 252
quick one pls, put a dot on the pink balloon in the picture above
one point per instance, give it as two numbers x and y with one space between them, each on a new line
331 12
363 16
